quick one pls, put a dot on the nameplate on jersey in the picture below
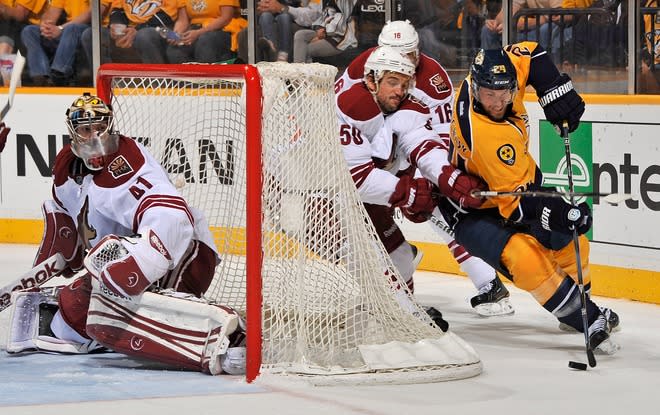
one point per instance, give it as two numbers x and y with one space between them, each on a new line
119 167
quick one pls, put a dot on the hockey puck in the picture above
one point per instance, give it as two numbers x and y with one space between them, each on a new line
577 365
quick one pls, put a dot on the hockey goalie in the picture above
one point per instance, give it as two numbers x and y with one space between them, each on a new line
146 258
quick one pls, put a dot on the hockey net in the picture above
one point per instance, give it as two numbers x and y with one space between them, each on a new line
300 258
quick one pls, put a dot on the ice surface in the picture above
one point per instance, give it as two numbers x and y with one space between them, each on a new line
525 359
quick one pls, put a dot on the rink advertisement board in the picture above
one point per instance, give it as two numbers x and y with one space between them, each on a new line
615 149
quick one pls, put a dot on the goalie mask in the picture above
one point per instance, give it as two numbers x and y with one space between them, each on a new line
89 121
402 36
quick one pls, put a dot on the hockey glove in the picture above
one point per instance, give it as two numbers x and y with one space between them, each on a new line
413 197
4 131
557 215
459 186
561 102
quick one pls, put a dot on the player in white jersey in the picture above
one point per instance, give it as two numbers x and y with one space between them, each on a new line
434 88
385 135
115 210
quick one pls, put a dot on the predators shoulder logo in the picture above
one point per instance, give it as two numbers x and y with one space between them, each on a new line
119 167
438 83
507 154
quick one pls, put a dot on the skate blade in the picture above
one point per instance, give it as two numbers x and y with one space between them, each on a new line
500 308
608 347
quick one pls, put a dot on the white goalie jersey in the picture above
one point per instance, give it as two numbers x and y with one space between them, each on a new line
132 195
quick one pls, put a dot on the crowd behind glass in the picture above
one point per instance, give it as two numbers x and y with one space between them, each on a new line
588 39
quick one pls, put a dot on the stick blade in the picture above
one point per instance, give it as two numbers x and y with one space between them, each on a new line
616 198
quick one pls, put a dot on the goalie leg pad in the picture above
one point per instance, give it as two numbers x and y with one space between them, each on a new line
74 303
172 328
29 330
60 235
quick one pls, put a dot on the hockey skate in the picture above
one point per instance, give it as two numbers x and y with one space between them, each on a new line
492 300
611 316
599 332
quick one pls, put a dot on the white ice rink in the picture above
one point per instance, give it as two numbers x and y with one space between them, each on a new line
525 360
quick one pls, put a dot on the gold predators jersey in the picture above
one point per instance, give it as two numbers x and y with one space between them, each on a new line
496 151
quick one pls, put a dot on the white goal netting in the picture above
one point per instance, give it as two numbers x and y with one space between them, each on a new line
328 301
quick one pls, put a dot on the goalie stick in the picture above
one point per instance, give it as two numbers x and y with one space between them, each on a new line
41 273
611 198
19 63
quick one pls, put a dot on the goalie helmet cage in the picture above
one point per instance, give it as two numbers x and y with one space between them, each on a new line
300 258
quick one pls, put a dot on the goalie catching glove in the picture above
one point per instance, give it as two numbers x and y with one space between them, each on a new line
414 198
561 103
459 186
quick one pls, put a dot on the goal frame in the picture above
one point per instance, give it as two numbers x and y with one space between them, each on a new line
254 183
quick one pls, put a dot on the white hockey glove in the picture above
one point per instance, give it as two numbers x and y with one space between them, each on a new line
128 266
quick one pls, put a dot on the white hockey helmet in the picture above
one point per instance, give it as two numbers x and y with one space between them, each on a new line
401 35
386 58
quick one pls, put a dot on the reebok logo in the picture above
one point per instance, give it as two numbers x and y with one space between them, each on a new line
157 244
556 93
34 279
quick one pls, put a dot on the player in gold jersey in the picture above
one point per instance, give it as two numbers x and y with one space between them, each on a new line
527 239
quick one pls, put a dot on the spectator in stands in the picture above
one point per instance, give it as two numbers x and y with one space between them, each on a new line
146 28
596 37
16 14
206 32
368 18
436 22
541 27
7 59
51 46
649 78
330 33
491 32
278 21
86 37
303 17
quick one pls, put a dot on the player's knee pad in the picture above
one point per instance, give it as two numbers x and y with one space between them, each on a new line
127 266
531 266
74 303
173 328
566 259
60 235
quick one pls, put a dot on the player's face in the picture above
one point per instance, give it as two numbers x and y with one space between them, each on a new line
392 89
495 101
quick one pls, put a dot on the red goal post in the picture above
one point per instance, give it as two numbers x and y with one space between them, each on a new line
256 149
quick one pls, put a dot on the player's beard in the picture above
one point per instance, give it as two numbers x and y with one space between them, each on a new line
390 104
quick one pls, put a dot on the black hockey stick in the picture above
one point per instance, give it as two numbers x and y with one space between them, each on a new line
583 297
611 198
